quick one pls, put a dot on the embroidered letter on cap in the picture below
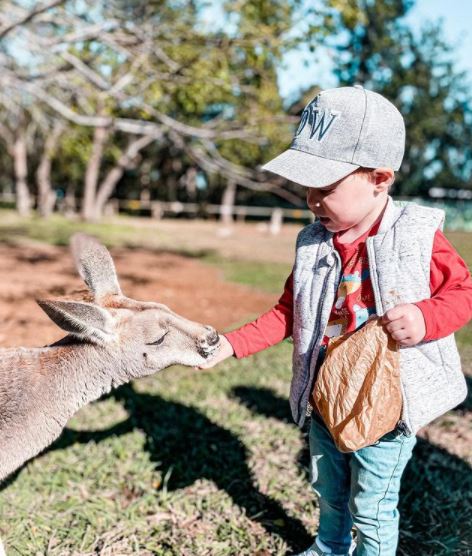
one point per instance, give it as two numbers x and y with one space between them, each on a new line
315 118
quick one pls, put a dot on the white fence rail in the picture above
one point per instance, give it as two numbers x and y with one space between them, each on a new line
458 212
160 209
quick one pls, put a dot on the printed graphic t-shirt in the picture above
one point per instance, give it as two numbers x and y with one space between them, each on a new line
354 302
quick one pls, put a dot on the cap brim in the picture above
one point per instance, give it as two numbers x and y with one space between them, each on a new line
308 169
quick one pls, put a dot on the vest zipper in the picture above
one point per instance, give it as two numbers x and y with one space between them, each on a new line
373 276
320 332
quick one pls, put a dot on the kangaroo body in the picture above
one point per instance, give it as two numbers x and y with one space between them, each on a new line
110 342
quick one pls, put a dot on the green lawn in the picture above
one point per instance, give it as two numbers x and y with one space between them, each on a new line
204 463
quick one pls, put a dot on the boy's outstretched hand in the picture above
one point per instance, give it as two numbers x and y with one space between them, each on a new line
224 351
405 322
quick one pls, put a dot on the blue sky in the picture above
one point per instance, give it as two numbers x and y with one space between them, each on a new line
456 16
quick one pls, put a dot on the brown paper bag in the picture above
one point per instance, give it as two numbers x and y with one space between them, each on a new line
357 391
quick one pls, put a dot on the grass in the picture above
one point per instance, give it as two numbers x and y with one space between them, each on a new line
205 463
57 230
209 465
269 277
175 464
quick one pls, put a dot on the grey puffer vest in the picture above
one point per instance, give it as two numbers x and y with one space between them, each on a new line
399 260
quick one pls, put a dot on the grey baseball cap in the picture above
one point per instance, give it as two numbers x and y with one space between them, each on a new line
341 130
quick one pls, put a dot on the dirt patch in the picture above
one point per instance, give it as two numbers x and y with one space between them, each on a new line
188 287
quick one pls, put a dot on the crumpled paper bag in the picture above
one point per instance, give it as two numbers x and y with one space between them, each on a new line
358 391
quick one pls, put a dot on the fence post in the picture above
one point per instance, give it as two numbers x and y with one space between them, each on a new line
276 219
111 208
156 210
227 204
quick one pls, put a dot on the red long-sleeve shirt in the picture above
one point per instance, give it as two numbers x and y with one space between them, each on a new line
448 309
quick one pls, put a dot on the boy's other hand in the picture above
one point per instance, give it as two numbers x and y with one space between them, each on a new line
224 351
405 322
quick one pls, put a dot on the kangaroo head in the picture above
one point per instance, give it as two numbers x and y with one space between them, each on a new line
148 336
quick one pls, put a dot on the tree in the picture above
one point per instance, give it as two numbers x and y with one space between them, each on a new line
16 131
418 75
46 193
141 73
137 73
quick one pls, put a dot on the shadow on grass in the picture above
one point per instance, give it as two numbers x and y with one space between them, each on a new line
264 402
435 504
187 446
436 493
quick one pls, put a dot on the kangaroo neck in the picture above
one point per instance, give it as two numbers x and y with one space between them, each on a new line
81 372
40 390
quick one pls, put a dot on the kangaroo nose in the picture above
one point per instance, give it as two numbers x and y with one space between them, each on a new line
212 337
208 342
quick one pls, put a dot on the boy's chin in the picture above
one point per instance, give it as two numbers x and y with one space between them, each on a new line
330 225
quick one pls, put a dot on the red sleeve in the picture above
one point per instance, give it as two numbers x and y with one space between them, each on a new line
450 306
267 330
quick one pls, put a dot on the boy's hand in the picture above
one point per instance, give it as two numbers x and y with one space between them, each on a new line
224 351
405 323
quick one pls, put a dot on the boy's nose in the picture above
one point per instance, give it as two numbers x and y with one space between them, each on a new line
314 198
314 202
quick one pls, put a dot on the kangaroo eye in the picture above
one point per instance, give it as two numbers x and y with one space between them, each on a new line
157 342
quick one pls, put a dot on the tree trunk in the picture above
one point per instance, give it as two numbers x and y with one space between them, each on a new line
69 203
100 135
23 198
227 204
125 162
191 184
46 195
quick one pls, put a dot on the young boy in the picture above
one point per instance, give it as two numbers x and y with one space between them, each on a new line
364 256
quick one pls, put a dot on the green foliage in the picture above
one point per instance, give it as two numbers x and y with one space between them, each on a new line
417 73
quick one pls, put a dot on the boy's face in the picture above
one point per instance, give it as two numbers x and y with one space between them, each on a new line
346 203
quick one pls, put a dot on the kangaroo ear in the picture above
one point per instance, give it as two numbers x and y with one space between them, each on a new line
95 266
83 320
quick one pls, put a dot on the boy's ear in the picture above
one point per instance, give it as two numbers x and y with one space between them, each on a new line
383 178
85 321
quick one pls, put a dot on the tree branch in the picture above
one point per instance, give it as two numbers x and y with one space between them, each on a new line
29 16
241 176
114 175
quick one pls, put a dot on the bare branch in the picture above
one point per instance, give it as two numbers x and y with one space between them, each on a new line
87 33
7 136
82 68
174 66
66 112
127 125
126 159
29 16
200 132
241 176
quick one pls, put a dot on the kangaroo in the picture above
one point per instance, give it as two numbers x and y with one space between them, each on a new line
111 339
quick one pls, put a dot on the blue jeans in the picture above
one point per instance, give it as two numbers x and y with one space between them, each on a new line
359 488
